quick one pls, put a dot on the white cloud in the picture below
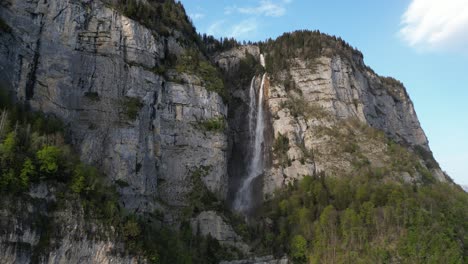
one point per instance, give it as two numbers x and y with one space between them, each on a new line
436 25
229 10
197 16
244 28
240 30
216 29
264 8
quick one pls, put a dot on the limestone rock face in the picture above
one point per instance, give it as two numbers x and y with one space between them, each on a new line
211 223
96 69
81 240
99 72
89 65
229 60
332 100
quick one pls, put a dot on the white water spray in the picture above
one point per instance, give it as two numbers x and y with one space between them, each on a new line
252 106
243 200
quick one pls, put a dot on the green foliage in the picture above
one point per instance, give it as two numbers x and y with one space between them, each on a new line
122 183
427 156
93 96
131 229
4 26
201 199
280 150
24 153
131 107
162 16
79 177
361 217
48 158
32 153
8 149
306 45
212 78
212 45
298 249
300 107
215 124
192 62
248 67
27 172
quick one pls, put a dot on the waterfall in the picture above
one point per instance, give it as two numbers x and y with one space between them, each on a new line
243 199
262 60
252 106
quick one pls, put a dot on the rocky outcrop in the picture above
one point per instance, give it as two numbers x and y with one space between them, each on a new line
229 61
211 223
31 233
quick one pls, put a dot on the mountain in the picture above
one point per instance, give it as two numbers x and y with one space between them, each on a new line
128 138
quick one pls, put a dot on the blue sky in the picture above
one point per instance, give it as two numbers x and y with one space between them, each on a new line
423 43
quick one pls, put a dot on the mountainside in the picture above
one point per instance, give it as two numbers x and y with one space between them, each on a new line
152 136
332 110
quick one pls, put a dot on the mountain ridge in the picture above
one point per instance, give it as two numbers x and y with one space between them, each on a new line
162 113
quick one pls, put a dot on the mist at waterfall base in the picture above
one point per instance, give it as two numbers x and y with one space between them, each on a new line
244 197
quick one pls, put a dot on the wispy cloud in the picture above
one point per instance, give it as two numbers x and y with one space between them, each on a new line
252 19
244 28
197 16
216 28
436 25
263 8
240 30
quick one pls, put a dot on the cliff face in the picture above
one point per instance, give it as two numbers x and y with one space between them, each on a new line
335 113
30 232
144 125
97 70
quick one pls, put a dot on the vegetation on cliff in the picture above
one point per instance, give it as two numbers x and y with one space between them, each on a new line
193 62
305 44
33 152
364 219
162 16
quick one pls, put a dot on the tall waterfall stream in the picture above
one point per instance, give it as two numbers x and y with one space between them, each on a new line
243 200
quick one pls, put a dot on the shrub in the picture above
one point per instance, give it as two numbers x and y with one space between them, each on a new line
78 179
215 124
248 67
427 156
48 158
131 229
28 172
8 149
192 62
132 107
4 26
93 96
299 249
298 106
280 150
